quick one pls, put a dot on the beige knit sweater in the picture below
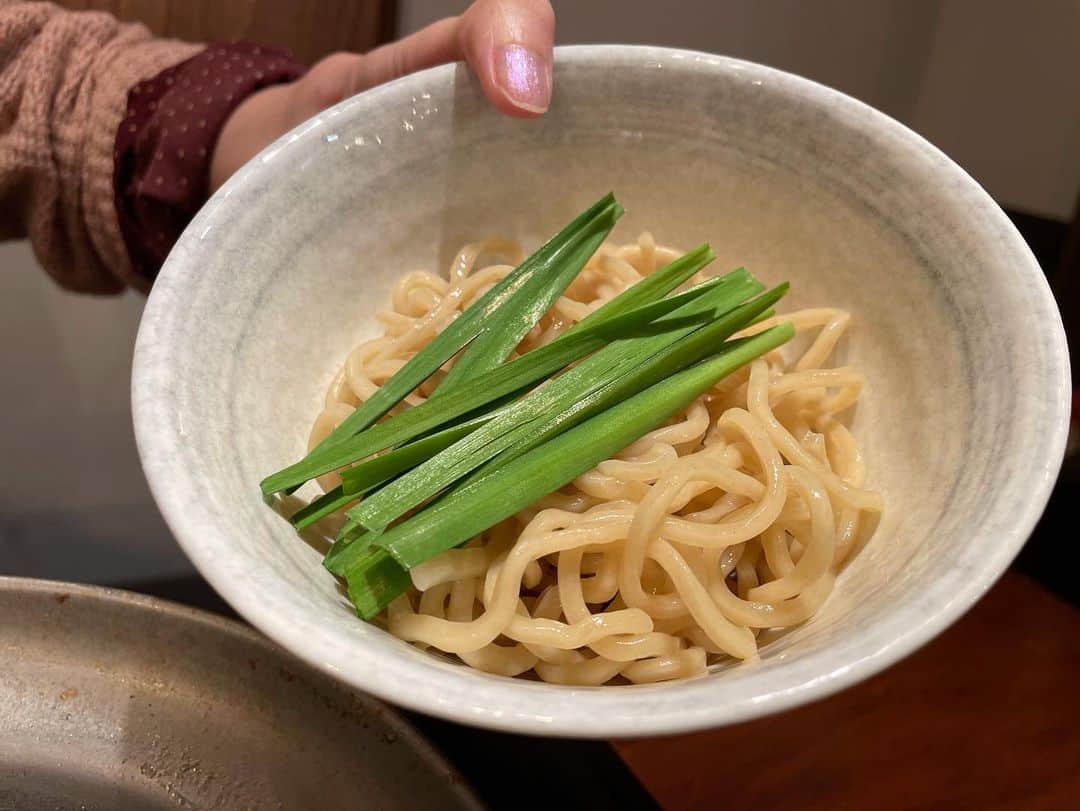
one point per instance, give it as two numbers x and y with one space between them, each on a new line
64 80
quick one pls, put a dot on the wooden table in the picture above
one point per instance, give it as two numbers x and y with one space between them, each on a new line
985 716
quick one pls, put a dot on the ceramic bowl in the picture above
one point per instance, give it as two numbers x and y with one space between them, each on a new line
963 422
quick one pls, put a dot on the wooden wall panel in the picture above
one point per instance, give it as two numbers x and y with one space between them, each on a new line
309 28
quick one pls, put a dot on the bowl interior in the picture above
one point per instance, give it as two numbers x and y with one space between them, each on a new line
279 276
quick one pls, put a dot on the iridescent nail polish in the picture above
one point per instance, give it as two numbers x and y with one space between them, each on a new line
523 77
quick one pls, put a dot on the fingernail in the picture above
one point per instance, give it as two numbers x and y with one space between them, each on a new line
523 77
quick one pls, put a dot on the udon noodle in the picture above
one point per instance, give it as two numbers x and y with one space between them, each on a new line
731 519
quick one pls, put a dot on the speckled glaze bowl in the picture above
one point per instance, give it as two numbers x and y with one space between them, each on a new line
963 423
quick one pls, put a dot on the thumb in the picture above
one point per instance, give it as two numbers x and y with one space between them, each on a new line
435 45
507 43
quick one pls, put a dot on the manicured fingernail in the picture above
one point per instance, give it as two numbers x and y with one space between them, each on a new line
523 77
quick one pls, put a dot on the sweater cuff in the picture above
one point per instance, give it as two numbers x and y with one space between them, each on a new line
165 142
123 63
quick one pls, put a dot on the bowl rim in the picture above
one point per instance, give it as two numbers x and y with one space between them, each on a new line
596 712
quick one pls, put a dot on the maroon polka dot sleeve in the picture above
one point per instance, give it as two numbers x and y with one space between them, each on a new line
165 141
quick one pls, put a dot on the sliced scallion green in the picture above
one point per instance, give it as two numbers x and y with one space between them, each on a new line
524 435
328 503
514 376
618 370
374 581
597 220
469 509
689 350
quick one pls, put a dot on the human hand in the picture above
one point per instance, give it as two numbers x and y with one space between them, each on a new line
507 44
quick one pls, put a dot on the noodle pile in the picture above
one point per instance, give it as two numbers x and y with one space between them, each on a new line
732 518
